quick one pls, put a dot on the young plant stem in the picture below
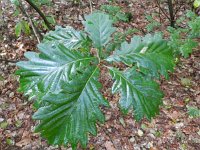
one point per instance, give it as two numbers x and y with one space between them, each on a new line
40 13
171 13
99 55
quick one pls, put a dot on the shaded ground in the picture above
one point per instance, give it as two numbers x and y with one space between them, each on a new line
173 129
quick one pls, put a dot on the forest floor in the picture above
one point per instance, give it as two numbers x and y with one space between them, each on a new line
173 129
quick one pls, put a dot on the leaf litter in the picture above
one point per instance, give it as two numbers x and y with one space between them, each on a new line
172 129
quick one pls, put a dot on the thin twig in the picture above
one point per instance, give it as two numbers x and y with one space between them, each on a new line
177 9
40 13
35 30
165 14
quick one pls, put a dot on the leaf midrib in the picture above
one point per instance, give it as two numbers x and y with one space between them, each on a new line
56 68
130 84
63 66
83 90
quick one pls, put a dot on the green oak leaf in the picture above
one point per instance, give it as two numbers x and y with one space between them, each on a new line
45 72
68 36
73 112
99 27
149 52
137 92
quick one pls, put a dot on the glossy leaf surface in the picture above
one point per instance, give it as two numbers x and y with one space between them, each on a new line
136 92
149 52
99 27
73 112
67 36
45 72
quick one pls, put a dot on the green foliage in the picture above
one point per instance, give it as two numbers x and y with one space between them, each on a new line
194 24
137 92
46 71
99 27
181 45
41 23
182 40
193 112
153 24
118 39
68 36
15 2
196 3
63 79
149 52
18 29
75 111
116 13
22 26
51 19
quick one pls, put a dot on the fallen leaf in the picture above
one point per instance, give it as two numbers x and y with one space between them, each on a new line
109 145
23 142
140 132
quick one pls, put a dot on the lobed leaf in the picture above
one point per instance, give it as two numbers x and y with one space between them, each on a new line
149 52
73 112
46 71
68 36
137 92
99 27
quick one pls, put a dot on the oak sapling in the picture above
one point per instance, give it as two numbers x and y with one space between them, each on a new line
63 78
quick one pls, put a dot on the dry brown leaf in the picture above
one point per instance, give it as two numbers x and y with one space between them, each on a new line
153 148
109 145
24 142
